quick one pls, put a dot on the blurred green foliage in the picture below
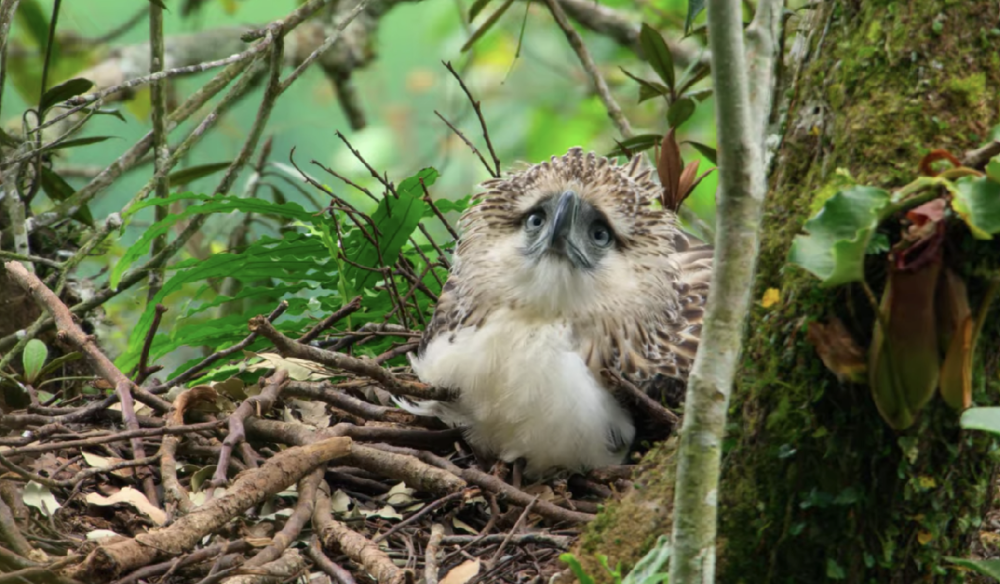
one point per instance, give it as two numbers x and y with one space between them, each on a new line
535 96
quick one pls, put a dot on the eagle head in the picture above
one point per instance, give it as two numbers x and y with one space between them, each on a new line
573 236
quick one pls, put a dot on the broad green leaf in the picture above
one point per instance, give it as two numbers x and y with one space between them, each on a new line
78 142
216 204
295 258
657 54
59 190
694 9
680 111
449 206
193 173
64 91
59 361
985 418
395 220
30 14
989 568
834 248
993 169
704 149
636 144
977 202
33 359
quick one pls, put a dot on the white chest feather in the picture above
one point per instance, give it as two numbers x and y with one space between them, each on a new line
526 392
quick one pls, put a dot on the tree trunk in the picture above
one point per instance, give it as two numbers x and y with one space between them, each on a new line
816 486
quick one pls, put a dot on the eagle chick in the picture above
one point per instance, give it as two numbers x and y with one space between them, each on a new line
563 270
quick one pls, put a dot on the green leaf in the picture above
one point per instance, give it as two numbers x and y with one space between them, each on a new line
79 142
577 568
993 169
834 248
695 72
216 204
977 202
449 206
64 91
158 3
657 54
651 569
636 144
989 568
477 7
59 362
648 89
985 418
486 26
395 220
704 149
193 173
834 571
694 9
680 111
33 358
59 190
30 14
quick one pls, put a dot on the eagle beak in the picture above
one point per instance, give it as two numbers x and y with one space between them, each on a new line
563 220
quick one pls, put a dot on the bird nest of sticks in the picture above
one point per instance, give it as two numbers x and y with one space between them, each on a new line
312 472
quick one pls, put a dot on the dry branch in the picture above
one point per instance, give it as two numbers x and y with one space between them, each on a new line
251 488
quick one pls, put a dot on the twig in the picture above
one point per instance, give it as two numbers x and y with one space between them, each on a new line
259 405
495 170
161 151
601 86
390 382
422 512
661 415
221 354
337 536
980 156
315 553
329 321
142 371
517 525
430 554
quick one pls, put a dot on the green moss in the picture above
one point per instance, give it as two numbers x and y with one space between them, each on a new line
816 480
970 90
626 530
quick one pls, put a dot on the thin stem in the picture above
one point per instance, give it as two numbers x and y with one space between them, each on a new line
161 151
742 186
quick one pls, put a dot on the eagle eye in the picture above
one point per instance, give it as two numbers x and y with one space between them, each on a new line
600 234
535 220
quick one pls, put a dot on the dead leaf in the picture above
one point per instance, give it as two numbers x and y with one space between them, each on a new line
462 573
399 495
40 497
313 412
298 369
668 167
97 461
131 497
838 350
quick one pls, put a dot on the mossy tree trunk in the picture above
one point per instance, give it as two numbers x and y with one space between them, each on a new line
816 486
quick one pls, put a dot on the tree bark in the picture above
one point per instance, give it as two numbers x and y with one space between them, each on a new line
816 487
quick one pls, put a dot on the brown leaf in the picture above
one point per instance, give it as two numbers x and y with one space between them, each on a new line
838 350
668 167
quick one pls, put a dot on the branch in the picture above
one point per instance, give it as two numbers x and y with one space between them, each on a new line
742 186
601 86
